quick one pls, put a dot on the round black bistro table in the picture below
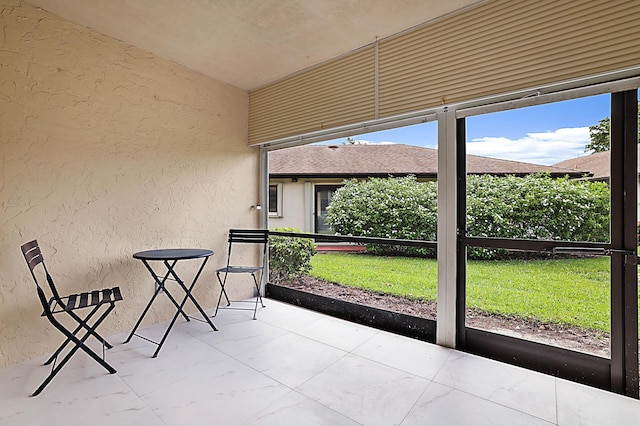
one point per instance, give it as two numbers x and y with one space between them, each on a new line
172 254
169 258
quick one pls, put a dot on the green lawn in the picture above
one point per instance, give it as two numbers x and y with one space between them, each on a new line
574 292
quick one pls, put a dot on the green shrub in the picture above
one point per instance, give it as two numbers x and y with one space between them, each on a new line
399 208
289 257
536 207
533 207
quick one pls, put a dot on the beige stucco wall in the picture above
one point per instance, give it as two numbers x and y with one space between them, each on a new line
106 150
294 207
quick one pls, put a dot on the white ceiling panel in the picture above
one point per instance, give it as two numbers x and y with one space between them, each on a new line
249 43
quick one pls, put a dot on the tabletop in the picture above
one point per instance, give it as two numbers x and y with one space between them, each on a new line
172 254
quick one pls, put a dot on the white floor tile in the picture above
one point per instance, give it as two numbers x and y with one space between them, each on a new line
443 405
403 353
239 337
291 367
365 391
178 358
226 393
583 405
71 398
21 380
282 316
523 390
291 359
296 409
124 416
337 333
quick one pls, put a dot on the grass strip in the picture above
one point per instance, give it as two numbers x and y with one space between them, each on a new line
571 292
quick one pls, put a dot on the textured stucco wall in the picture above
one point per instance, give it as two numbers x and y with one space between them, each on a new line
293 206
106 150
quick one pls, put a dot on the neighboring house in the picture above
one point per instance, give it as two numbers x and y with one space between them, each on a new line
598 165
302 180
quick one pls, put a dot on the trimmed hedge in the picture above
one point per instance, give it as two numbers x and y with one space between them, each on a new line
399 208
289 257
532 207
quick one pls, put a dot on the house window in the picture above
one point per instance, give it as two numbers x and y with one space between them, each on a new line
275 200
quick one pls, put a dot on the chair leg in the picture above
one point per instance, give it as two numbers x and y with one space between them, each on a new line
258 296
87 349
84 323
79 344
55 371
222 291
255 309
81 323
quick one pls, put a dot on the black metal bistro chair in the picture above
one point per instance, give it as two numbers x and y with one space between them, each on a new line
259 237
67 306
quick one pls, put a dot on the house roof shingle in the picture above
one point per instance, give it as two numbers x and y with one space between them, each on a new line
388 159
598 164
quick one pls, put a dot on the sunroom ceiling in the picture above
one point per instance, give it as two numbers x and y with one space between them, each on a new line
250 43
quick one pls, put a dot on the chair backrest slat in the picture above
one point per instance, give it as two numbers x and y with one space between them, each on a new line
254 236
33 257
32 254
249 236
34 260
29 246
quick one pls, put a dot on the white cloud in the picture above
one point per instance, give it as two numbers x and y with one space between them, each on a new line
538 148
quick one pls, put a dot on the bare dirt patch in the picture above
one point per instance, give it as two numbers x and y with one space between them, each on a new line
583 340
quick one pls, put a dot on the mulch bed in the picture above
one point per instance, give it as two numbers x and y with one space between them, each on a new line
584 340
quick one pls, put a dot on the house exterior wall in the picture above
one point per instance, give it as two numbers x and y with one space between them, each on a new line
298 203
294 207
106 150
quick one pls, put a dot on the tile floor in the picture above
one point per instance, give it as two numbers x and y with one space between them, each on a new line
297 367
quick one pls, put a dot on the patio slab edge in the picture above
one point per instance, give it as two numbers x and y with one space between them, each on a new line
394 322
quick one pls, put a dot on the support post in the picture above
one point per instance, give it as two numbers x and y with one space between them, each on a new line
447 230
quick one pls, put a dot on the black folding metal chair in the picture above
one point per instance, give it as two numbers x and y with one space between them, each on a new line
68 305
244 236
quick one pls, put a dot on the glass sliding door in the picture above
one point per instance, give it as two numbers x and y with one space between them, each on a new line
324 194
552 199
546 273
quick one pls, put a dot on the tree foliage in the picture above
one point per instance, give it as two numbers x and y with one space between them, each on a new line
533 207
600 135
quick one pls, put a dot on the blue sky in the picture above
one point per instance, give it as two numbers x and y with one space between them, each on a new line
544 134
